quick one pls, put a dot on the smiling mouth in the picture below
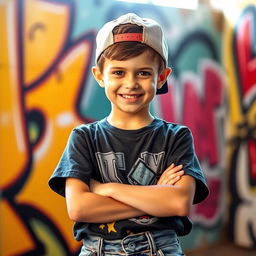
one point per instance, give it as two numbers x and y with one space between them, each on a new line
130 96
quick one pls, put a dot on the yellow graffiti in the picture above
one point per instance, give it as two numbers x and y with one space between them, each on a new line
57 81
13 129
15 237
60 120
45 28
13 134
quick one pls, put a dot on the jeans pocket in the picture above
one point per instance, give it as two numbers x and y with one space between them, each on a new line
85 251
173 249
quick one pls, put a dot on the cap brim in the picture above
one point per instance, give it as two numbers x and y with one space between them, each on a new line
163 89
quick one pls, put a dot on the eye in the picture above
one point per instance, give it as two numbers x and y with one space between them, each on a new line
118 72
144 73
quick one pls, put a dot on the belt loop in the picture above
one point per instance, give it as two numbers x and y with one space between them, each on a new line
100 244
151 243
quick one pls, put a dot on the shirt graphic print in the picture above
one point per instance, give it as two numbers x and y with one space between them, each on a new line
144 171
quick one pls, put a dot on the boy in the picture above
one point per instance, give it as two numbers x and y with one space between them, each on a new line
131 178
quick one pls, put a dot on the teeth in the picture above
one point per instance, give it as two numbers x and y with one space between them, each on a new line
129 96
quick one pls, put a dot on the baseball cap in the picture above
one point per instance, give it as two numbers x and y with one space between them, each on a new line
152 35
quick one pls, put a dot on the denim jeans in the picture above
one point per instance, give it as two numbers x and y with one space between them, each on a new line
155 243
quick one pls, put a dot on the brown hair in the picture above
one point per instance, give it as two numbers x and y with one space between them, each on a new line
127 50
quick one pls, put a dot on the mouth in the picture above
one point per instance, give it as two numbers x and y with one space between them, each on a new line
130 96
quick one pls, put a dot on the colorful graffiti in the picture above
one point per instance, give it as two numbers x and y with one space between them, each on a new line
203 111
43 73
46 55
240 60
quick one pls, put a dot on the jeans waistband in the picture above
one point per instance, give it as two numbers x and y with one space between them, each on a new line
131 244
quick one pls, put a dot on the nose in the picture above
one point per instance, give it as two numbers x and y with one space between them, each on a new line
131 82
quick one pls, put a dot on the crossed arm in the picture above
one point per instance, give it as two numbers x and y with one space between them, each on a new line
172 196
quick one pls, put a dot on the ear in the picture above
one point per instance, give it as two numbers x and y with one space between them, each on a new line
163 77
98 75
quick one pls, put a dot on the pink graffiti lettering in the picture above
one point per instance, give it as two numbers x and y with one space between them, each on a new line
199 111
202 96
209 208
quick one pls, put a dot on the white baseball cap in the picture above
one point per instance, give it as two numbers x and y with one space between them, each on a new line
152 35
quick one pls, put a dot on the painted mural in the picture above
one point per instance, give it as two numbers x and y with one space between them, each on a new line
46 54
240 62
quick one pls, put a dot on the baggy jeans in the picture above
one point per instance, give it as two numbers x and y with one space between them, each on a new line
155 243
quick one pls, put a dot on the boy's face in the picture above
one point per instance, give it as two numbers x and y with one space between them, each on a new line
131 84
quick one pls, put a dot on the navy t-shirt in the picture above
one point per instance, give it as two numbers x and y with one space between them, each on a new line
109 154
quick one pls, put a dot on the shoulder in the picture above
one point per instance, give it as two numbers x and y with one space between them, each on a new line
86 127
84 132
89 127
174 128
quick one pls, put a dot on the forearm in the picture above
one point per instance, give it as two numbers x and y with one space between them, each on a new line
95 208
156 200
151 199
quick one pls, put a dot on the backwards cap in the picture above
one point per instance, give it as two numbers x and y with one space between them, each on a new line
152 35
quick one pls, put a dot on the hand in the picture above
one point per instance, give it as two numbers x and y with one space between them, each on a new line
171 175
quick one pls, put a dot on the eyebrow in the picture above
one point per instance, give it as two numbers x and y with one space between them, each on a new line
117 68
142 68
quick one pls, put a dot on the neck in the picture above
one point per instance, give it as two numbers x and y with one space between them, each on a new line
130 122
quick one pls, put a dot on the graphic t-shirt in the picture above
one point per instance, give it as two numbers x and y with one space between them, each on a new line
139 157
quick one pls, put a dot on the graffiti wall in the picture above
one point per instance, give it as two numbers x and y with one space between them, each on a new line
240 62
46 53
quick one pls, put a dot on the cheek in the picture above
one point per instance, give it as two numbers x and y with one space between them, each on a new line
110 83
110 89
153 86
109 95
151 91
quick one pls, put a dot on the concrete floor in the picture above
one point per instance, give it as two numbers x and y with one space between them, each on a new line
226 249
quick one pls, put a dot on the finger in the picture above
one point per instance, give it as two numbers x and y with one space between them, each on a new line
171 170
160 181
175 169
178 167
162 177
168 178
171 166
173 178
173 175
173 181
169 181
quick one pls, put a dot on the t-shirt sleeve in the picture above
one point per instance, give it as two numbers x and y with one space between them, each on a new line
74 163
183 152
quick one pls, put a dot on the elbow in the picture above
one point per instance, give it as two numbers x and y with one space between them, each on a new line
180 208
77 213
74 214
183 208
